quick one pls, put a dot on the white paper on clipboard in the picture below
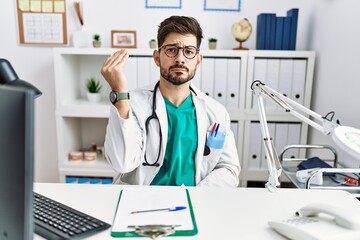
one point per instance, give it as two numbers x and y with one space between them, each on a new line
152 197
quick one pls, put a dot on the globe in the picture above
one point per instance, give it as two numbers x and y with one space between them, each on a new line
241 30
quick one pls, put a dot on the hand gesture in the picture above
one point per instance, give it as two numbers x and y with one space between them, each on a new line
113 71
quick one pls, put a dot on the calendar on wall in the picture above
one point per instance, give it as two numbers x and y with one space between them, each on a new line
42 22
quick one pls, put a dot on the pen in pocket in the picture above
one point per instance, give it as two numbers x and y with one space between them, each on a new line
217 129
213 129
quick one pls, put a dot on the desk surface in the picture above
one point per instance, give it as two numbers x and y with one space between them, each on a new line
221 213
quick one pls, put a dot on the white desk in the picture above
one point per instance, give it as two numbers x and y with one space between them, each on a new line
221 213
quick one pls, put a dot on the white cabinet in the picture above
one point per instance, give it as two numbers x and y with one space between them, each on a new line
226 75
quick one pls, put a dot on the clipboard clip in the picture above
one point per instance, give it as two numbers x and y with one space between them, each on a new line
154 231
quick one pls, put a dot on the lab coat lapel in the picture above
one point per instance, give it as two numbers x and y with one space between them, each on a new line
202 123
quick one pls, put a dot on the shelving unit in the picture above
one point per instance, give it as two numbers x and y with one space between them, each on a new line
225 75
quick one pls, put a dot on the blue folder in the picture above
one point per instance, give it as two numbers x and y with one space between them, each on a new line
293 13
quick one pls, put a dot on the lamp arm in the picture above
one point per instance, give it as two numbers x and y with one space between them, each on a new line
320 123
274 167
347 138
272 159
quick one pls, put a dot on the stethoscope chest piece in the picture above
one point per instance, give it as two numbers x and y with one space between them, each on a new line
206 150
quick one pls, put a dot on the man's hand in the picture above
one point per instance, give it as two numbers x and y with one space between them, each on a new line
113 71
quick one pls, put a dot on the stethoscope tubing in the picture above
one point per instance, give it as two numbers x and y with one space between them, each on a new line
147 122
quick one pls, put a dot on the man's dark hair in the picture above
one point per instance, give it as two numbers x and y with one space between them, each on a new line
182 25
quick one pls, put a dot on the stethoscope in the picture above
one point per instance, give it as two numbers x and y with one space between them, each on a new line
147 122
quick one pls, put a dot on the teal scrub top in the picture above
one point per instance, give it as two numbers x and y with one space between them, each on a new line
179 160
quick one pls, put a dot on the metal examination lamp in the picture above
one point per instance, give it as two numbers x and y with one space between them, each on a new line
9 77
347 138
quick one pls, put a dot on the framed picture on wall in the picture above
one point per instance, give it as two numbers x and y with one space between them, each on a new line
123 39
163 4
222 5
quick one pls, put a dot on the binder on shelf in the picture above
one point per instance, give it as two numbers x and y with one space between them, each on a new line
197 78
260 31
260 69
154 71
130 70
286 33
149 206
298 82
233 83
255 153
221 78
294 133
272 78
143 71
279 29
281 135
207 76
234 125
293 13
270 31
272 35
285 77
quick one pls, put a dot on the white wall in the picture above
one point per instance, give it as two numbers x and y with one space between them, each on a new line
35 65
336 39
132 15
336 81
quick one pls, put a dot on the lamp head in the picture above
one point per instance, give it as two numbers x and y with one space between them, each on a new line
8 76
348 139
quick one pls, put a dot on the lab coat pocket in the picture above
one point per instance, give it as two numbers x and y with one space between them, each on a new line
216 140
213 148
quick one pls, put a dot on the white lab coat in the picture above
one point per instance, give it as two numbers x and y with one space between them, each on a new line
126 141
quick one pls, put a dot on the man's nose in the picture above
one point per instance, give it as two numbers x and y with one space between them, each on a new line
180 58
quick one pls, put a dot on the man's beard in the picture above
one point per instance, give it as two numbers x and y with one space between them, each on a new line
177 78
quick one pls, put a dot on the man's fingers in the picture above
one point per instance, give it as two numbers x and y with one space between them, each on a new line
118 57
114 64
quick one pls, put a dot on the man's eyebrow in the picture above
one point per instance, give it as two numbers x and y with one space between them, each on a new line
177 45
171 44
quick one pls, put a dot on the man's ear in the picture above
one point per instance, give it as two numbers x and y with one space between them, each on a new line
156 57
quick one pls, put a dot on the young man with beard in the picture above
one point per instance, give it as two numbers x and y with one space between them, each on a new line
169 133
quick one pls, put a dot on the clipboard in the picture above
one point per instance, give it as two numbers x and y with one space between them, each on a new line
153 197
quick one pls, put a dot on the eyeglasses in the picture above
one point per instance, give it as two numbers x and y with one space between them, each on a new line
172 51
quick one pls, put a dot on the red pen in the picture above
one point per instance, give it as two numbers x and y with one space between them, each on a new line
213 129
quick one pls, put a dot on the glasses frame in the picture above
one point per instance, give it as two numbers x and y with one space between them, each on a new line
178 50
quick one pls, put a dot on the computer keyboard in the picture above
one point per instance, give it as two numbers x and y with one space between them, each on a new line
54 220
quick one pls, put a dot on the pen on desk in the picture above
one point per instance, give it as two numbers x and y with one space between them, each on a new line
217 128
213 129
177 208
